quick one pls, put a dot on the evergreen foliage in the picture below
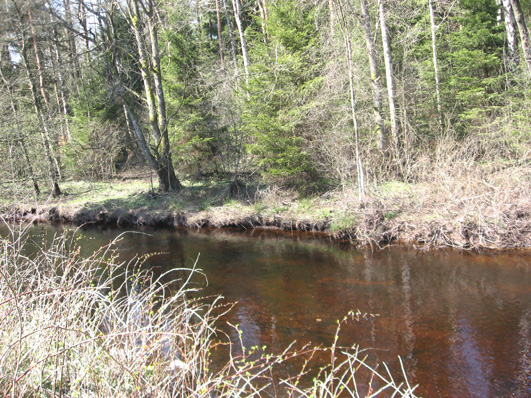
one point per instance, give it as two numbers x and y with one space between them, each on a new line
287 120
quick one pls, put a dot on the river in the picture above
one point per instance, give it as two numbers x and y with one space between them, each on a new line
461 322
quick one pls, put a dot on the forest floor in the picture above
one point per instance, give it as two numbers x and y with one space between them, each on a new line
492 212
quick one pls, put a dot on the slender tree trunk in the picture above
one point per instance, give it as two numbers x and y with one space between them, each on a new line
145 69
72 46
37 54
53 164
30 167
167 176
512 41
144 147
524 34
152 78
435 63
262 20
375 74
22 140
46 141
266 14
231 37
59 86
220 38
198 16
348 54
389 74
236 6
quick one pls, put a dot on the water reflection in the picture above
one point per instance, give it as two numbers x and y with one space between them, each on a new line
461 322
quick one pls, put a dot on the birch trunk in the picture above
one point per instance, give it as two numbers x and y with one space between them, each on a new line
524 34
348 53
237 11
167 178
154 95
375 74
331 16
231 37
389 74
510 30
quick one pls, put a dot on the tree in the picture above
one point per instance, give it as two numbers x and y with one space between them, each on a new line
284 78
220 37
28 47
388 59
524 34
348 55
375 74
237 16
510 30
142 17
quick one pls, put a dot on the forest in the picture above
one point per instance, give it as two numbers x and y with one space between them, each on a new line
367 122
358 99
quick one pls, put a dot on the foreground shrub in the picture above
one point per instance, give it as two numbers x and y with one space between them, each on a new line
90 326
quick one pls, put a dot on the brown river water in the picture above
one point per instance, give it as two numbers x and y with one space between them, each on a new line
461 322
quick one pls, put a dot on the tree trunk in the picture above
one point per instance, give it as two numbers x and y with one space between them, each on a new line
236 6
152 78
53 164
435 63
30 168
348 54
220 38
331 16
198 16
22 140
512 40
231 37
389 74
375 74
59 85
524 34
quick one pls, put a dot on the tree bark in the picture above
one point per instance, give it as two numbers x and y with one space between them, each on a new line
30 167
331 16
375 74
231 37
435 63
220 38
53 164
22 140
236 6
512 40
524 34
389 74
150 71
348 54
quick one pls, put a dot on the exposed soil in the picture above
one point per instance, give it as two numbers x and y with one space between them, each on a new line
371 227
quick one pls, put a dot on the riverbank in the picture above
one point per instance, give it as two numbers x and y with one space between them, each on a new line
468 212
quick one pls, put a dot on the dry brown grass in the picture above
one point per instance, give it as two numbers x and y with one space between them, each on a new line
76 326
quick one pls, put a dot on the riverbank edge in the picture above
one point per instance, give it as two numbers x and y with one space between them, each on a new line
371 229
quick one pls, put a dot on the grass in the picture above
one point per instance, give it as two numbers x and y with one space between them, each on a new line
474 206
91 326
